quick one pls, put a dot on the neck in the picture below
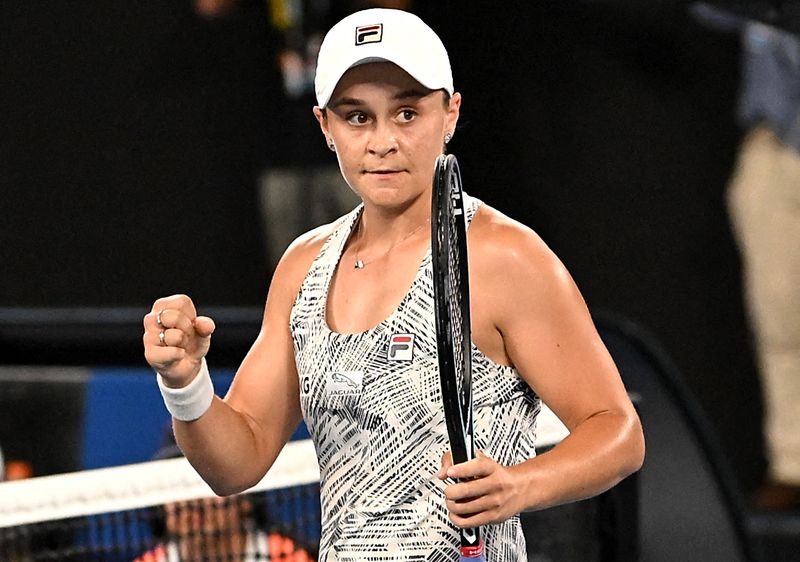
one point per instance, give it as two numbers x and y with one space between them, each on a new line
391 236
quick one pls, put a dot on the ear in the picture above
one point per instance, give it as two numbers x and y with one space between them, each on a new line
322 119
453 111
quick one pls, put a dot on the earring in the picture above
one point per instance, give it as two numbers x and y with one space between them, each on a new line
331 145
448 137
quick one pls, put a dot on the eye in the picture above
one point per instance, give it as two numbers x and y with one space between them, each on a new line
406 115
357 118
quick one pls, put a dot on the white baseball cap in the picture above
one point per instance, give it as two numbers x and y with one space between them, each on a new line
382 34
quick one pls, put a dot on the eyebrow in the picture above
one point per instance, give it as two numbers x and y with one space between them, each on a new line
411 93
414 93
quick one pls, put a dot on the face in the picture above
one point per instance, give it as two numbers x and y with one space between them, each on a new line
387 130
208 529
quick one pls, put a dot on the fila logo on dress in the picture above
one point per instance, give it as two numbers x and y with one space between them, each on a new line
401 347
369 34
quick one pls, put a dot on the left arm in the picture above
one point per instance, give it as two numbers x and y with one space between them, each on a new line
544 329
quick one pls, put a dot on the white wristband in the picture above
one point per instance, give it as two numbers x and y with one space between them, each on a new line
191 401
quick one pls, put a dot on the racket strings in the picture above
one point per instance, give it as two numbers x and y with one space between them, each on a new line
455 295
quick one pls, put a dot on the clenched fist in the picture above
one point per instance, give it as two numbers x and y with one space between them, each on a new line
176 339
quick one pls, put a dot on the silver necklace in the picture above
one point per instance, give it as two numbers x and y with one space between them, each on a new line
361 264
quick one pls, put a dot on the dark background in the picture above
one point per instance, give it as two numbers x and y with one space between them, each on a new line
132 135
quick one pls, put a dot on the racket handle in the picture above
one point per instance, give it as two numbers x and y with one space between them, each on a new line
472 553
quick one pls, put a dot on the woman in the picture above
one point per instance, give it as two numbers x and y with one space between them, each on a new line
343 292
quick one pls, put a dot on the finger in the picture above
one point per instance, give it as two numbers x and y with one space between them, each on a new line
468 489
476 468
150 322
154 341
161 358
165 337
447 462
181 303
470 507
472 520
173 318
151 340
204 326
173 337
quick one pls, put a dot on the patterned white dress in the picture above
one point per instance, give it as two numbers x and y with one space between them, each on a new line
372 403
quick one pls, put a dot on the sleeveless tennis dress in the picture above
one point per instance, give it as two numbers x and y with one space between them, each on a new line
372 403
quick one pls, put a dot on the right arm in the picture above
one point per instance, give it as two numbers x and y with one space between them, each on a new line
235 442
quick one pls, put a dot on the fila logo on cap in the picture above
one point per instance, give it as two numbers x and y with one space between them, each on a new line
369 34
401 347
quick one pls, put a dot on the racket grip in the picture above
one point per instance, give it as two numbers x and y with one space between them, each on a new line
472 553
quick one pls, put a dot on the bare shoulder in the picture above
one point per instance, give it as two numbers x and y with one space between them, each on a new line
515 276
508 252
520 289
302 251
297 259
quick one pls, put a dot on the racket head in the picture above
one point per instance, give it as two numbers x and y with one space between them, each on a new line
453 324
451 303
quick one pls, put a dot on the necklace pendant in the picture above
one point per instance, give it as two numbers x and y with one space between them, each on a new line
359 264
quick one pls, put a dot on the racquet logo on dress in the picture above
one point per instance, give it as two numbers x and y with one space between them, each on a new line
401 347
369 34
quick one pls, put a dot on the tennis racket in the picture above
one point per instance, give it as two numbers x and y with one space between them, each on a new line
453 331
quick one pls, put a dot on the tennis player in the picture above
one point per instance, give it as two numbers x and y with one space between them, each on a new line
348 338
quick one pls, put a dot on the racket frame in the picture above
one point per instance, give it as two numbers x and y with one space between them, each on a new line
447 207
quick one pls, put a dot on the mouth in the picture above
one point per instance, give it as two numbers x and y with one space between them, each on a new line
382 172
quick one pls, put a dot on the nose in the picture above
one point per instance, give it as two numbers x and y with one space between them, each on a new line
383 140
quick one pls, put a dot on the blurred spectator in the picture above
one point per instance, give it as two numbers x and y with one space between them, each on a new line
216 528
764 208
14 469
18 470
214 8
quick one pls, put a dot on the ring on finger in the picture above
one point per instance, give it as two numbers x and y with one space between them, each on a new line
158 318
162 336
